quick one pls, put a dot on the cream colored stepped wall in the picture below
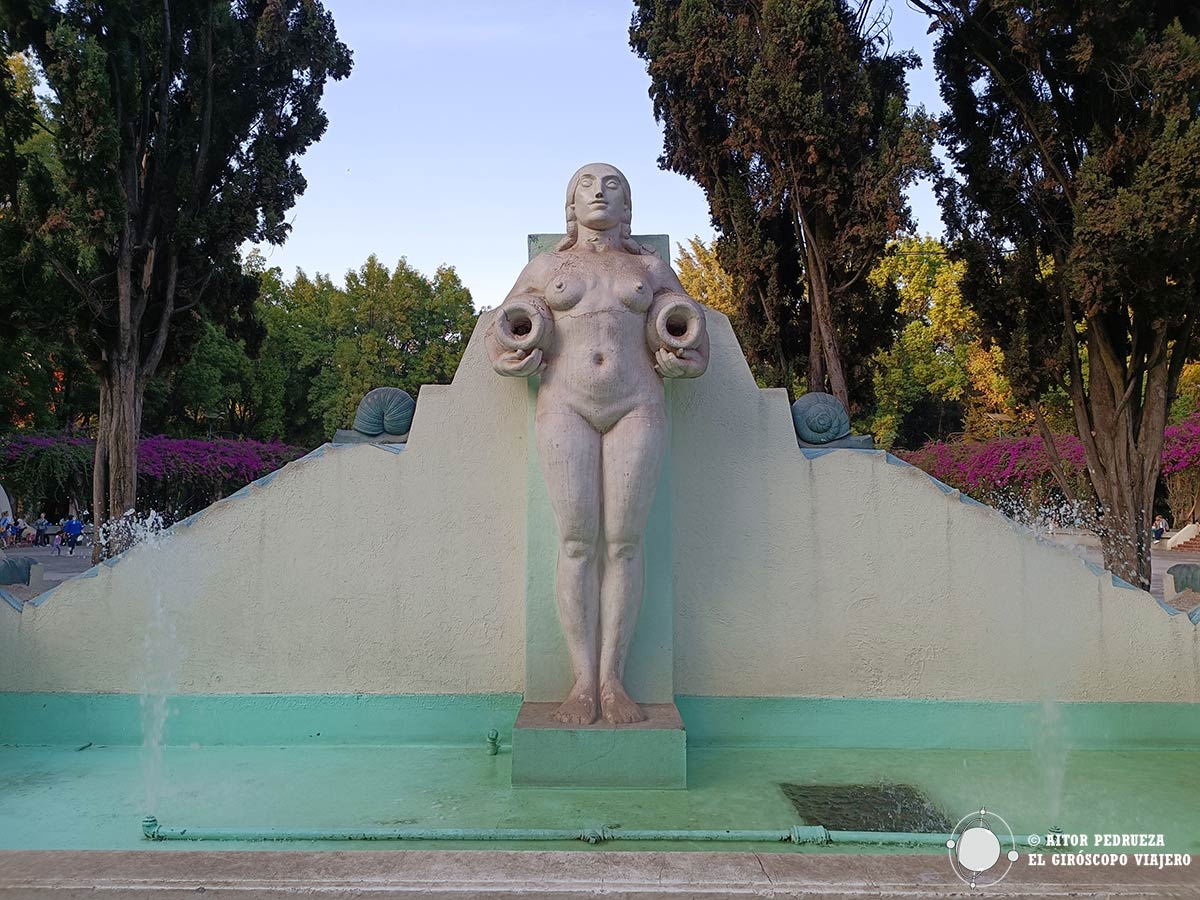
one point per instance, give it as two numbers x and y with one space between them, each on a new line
848 573
354 569
838 573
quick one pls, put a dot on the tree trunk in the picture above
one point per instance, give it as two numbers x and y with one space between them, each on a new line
823 314
100 472
124 423
816 357
1125 535
822 317
1124 456
114 481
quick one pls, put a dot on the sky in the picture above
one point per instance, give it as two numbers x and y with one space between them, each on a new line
456 133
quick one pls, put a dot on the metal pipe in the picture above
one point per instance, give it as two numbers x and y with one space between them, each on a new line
889 837
797 834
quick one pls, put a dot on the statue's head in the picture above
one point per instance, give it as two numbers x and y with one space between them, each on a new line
598 196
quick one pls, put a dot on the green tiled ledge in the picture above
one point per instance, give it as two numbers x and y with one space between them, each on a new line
465 719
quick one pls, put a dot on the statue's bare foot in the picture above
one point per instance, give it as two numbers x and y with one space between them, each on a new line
618 708
580 706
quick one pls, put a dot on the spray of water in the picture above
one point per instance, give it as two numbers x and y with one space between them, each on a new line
1052 664
1050 751
158 644
1050 514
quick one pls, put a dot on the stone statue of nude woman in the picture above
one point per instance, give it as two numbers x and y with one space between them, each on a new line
603 320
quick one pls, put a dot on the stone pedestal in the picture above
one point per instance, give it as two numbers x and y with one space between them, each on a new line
650 754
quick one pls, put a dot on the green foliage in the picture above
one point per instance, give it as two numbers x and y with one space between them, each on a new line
175 133
47 381
792 118
938 378
47 385
46 469
915 374
705 279
396 329
211 389
325 347
1187 400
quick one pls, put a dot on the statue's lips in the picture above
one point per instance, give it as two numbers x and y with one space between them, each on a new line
598 204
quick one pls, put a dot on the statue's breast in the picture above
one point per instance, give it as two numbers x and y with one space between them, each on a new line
634 292
564 291
601 282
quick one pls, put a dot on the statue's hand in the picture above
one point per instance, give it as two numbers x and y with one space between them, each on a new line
520 363
680 363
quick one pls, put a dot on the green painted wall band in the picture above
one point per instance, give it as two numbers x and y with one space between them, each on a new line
261 719
63 719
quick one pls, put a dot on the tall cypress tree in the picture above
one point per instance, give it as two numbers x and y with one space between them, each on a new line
791 115
177 125
1075 131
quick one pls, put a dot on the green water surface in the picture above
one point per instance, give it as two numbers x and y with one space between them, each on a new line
67 798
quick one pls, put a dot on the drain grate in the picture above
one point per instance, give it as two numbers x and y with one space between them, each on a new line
866 807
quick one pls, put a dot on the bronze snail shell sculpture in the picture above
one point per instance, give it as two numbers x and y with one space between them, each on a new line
385 410
820 419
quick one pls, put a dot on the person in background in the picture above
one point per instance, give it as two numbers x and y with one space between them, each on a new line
1159 528
73 529
40 527
5 525
57 544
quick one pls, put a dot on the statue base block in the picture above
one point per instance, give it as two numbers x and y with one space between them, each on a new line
650 754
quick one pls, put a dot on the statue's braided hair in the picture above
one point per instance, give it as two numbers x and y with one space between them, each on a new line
628 244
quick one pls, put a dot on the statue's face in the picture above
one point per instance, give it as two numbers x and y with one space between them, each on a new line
600 201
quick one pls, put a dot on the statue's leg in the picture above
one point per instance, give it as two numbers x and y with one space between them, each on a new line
569 450
631 461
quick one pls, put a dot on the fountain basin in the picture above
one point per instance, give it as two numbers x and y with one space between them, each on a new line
72 770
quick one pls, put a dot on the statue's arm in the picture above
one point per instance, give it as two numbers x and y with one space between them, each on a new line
675 327
521 328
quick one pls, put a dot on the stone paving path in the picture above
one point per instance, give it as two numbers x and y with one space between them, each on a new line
550 875
1088 546
57 568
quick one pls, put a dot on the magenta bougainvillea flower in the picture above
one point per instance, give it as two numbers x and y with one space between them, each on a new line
1018 464
1181 448
233 460
176 476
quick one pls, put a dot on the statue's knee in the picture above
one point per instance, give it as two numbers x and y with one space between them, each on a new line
584 550
623 549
